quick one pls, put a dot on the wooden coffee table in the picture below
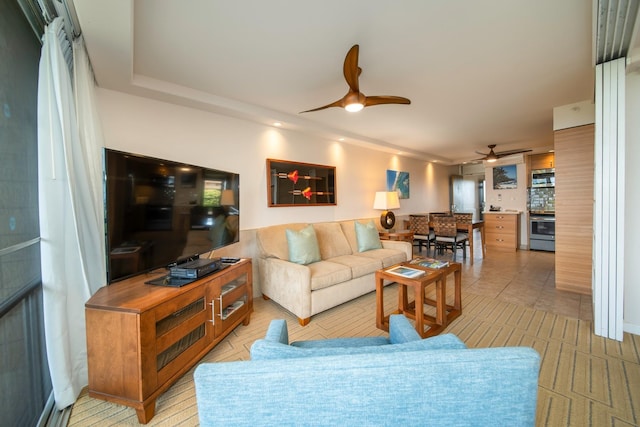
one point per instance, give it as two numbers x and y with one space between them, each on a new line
415 309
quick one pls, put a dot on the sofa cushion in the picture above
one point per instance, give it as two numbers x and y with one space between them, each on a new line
303 245
367 236
326 273
349 230
272 240
388 257
331 240
360 266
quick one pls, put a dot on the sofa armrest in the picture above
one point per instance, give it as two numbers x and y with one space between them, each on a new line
288 284
277 332
401 330
399 245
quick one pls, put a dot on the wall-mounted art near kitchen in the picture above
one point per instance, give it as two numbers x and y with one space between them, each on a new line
505 177
399 182
300 184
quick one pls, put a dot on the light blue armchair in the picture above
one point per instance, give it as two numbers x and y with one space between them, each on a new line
367 381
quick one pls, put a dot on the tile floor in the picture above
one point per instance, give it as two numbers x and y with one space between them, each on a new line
523 277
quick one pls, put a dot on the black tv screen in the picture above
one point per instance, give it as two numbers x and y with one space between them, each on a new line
159 212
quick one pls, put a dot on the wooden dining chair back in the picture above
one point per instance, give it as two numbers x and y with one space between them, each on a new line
422 234
463 217
447 235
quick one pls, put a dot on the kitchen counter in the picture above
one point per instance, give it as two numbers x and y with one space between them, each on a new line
502 212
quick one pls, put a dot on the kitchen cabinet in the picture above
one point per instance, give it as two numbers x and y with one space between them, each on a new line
142 338
542 161
539 161
502 231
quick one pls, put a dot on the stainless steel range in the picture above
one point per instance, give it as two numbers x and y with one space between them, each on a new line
542 231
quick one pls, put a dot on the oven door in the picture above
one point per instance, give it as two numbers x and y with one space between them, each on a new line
542 228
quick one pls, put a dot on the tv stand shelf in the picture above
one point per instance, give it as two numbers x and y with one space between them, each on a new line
141 338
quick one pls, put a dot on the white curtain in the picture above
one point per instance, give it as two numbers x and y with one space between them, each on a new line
71 215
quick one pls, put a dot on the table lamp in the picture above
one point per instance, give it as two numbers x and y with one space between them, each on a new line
227 198
385 201
228 201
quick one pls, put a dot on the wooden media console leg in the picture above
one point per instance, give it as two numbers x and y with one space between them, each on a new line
147 412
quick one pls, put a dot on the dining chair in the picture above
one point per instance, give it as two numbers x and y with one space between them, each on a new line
463 218
422 234
447 235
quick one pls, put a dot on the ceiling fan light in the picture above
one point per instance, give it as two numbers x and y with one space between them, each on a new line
354 107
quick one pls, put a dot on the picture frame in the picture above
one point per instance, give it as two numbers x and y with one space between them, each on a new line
399 182
300 184
505 177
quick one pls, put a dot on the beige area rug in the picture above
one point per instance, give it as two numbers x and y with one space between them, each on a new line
584 380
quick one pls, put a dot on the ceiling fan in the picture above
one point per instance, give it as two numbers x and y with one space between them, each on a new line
491 156
355 100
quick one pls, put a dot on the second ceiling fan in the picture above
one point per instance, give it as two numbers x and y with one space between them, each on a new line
355 100
492 156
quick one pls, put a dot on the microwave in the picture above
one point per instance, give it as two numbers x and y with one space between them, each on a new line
543 178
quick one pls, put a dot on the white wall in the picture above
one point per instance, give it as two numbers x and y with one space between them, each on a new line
167 131
510 199
632 206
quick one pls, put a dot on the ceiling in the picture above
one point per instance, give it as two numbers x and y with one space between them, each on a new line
477 73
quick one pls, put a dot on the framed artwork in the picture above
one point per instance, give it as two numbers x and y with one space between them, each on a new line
300 184
505 177
399 182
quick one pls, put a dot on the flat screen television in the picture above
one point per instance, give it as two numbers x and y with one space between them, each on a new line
159 212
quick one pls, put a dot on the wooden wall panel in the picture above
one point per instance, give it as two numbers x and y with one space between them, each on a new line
574 160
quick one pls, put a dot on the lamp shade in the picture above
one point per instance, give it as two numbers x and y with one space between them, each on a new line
386 200
227 198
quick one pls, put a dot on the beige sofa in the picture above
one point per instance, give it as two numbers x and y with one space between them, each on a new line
342 274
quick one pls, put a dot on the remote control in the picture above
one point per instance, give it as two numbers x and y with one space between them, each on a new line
229 260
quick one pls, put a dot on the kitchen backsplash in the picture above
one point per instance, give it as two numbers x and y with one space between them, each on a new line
542 199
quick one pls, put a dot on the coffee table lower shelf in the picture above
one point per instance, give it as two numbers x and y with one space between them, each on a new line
445 313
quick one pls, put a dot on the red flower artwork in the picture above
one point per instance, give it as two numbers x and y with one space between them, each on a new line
293 176
307 193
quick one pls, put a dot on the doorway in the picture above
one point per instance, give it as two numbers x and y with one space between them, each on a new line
467 194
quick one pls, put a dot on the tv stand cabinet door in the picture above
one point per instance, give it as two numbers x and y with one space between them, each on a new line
114 375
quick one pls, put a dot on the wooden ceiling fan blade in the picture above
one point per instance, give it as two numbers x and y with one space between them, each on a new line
338 103
351 70
511 153
378 100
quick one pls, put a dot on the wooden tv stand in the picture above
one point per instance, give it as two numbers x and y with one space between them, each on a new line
142 338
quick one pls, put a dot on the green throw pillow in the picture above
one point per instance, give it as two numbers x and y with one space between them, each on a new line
367 236
303 245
